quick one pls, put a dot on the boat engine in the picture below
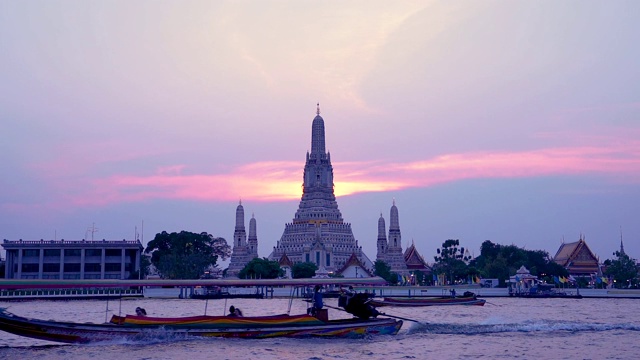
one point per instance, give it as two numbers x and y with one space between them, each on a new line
358 305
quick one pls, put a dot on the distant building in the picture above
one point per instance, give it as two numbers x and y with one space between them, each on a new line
577 258
243 251
75 259
390 250
286 265
318 232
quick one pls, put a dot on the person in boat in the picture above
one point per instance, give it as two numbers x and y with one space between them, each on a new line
141 311
234 312
317 301
358 305
452 292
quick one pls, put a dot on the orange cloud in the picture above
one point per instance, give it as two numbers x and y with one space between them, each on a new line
279 180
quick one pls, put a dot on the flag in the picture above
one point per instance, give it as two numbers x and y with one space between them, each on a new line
562 279
605 280
599 280
477 280
517 278
571 278
556 279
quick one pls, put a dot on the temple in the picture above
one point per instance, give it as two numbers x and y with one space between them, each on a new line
318 233
577 258
390 251
243 251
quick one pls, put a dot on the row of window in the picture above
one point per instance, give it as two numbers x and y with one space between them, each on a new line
74 267
75 252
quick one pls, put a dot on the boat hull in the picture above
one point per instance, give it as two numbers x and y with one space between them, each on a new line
431 301
255 327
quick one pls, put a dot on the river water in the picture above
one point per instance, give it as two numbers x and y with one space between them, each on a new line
505 328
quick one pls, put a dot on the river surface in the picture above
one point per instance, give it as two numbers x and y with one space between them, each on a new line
505 328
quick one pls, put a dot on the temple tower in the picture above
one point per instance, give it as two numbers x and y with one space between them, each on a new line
382 239
253 239
239 253
394 256
318 233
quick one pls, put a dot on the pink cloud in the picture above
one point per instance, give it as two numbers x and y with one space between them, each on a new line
279 180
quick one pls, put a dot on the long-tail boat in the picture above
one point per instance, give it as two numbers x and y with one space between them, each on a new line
133 327
143 327
427 301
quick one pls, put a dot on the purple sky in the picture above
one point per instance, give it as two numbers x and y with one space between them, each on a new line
515 122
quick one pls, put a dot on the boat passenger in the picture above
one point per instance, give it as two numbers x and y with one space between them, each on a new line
317 298
141 311
234 312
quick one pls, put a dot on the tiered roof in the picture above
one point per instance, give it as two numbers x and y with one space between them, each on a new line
577 258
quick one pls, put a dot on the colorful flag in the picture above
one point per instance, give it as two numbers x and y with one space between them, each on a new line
556 279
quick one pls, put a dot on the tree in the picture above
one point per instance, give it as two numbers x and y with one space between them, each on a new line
623 269
145 263
186 255
261 269
380 268
303 270
501 261
451 260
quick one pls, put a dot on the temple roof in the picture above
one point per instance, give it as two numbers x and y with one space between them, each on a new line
577 258
414 260
285 261
354 261
567 252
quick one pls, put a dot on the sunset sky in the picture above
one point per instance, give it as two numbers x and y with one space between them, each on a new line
511 121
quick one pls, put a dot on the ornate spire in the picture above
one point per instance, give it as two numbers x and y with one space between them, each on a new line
240 217
317 135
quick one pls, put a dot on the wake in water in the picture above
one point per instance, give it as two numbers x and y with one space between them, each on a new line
527 326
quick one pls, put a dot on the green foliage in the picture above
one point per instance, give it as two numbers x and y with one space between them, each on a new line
623 269
380 268
145 264
501 261
451 260
261 269
303 270
186 255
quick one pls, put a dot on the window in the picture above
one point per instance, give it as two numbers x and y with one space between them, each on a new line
51 252
113 252
307 257
93 252
112 267
328 260
30 268
71 252
74 267
31 253
51 267
318 258
92 267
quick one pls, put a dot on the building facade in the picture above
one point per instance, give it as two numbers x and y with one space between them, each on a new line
318 232
75 259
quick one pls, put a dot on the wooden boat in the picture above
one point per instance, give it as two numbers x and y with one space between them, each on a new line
133 327
427 301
